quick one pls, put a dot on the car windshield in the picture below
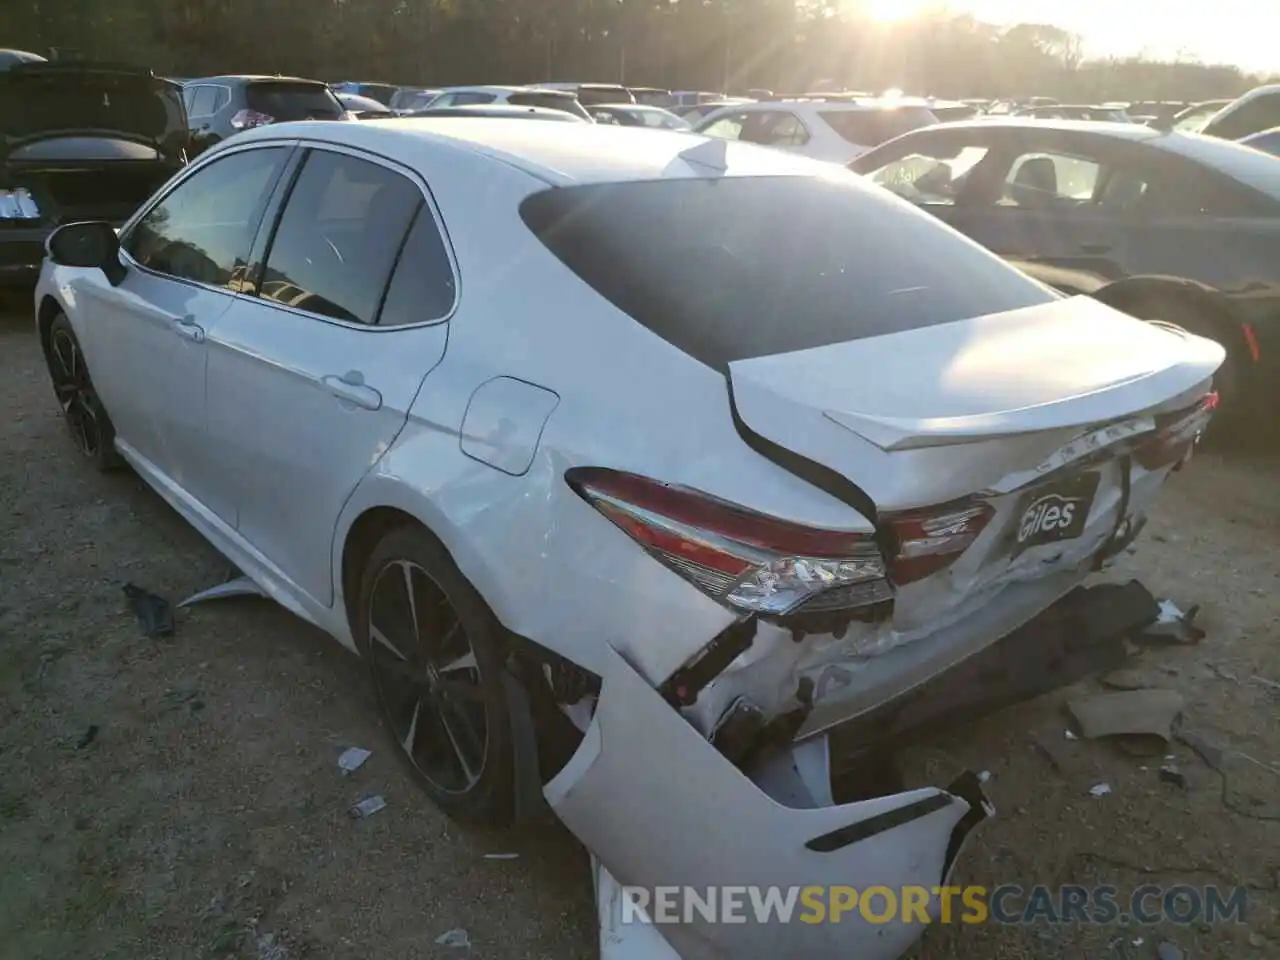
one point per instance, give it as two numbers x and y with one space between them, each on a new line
731 268
551 100
872 127
290 100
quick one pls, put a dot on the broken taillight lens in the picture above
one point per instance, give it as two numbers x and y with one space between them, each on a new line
927 541
1176 435
747 560
246 119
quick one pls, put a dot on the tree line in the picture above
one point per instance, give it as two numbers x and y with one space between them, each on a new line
730 45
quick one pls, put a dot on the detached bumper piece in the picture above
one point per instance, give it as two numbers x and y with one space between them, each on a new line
660 807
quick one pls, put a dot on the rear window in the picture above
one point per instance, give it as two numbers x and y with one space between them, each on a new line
870 128
733 268
293 101
551 101
598 93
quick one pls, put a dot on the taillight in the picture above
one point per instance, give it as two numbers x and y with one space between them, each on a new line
747 560
1176 435
926 541
245 119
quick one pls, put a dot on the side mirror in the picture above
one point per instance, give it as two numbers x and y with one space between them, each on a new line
90 243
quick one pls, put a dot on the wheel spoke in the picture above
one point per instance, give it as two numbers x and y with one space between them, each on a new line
459 691
465 662
457 730
407 572
411 737
380 638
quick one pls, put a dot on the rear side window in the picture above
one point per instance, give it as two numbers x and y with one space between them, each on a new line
566 102
733 268
870 128
422 287
339 237
293 101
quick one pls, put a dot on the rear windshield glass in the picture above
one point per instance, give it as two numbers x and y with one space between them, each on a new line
293 101
603 94
552 101
382 92
739 267
870 128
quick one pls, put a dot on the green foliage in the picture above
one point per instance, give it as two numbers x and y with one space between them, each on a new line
789 45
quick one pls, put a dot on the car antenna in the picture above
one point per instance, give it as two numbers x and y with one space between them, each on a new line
713 154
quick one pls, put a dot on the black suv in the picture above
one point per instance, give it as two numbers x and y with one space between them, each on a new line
79 140
220 107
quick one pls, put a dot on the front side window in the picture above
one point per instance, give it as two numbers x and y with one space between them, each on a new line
1043 180
204 229
339 237
932 175
727 127
472 96
776 129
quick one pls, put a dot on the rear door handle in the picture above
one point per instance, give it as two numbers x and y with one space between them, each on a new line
352 388
187 327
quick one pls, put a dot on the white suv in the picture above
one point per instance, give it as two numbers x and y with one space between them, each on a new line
563 100
834 130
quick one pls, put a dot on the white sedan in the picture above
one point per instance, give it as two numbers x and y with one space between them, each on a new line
599 444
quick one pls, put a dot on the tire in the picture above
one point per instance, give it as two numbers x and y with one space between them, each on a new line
433 699
86 418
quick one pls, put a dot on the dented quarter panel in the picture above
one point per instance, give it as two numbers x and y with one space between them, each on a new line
689 830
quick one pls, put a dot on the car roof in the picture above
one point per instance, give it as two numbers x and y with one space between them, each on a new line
253 78
1120 131
493 88
497 110
560 154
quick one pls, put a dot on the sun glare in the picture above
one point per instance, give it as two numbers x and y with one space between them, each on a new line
891 11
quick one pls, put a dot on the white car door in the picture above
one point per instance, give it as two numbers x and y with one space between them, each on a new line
310 380
146 337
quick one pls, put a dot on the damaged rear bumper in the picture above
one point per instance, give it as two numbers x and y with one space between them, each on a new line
660 807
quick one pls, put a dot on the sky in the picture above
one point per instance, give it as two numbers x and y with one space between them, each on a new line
1242 32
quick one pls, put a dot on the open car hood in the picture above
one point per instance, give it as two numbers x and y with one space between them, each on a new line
84 99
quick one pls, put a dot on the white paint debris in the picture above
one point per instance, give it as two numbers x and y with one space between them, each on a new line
456 937
1100 789
352 759
367 807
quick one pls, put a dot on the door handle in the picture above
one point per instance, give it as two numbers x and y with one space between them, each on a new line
187 327
352 388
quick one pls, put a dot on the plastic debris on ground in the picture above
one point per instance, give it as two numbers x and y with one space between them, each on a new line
352 759
153 612
1148 713
502 856
240 586
367 807
456 937
984 776
89 736
1172 626
1100 789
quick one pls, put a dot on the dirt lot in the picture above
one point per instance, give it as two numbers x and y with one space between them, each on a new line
207 816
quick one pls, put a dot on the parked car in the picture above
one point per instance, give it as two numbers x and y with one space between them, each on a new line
685 100
413 98
832 130
589 94
638 115
363 108
1160 112
1193 118
1109 113
1253 112
498 110
653 96
1165 226
382 92
563 100
1268 141
807 450
694 114
80 141
221 107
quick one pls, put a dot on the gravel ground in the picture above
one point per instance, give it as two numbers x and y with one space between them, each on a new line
206 817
